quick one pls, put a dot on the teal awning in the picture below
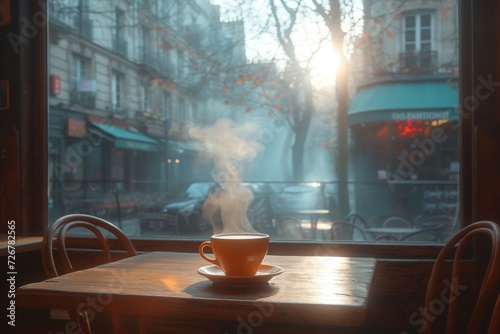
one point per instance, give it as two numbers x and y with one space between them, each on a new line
405 100
127 140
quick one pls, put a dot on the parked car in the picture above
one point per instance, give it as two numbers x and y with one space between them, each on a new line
293 198
184 214
260 213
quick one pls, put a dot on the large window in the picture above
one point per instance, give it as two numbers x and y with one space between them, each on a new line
226 108
117 93
418 32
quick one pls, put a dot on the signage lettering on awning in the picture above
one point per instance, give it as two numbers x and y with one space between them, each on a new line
420 115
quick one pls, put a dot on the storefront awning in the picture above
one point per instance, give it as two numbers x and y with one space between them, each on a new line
127 140
404 101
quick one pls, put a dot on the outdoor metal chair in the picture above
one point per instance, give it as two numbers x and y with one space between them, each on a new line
427 235
354 218
396 222
444 222
344 230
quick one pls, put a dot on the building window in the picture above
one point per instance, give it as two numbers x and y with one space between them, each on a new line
80 69
165 105
182 111
117 89
145 99
83 86
119 39
417 32
180 66
418 55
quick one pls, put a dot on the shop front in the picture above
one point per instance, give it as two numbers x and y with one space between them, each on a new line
404 146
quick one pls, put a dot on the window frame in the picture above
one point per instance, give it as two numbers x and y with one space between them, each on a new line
80 70
418 30
117 91
478 61
165 104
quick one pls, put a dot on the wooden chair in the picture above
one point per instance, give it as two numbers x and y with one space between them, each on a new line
495 319
54 242
451 295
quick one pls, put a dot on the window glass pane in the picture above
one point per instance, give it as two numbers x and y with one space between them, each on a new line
425 20
410 46
410 21
410 36
179 112
425 34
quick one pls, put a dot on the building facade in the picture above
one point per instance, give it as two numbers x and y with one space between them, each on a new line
126 80
404 116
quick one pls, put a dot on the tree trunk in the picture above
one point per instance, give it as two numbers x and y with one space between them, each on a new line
342 93
302 123
341 89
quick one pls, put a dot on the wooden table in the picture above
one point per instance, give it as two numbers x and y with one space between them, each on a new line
21 245
312 292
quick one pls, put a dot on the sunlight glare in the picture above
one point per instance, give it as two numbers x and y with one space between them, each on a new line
171 283
324 67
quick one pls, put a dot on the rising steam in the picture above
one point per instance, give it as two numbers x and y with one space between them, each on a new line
229 146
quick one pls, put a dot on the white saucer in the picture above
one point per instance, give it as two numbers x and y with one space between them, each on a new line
216 275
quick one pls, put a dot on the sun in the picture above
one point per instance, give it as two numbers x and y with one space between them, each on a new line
324 67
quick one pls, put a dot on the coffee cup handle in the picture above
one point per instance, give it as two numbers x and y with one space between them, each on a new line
203 255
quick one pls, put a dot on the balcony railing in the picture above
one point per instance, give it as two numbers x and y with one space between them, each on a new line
418 61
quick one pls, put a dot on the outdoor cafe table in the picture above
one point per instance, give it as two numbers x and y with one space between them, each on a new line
314 215
397 232
313 292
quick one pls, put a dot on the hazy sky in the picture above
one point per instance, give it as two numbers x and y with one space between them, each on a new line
311 36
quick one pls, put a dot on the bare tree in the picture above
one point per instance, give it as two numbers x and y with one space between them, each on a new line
298 80
333 19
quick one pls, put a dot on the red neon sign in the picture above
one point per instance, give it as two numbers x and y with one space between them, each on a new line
55 85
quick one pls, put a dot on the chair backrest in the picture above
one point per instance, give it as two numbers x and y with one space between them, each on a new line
396 222
495 318
443 292
54 241
344 230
